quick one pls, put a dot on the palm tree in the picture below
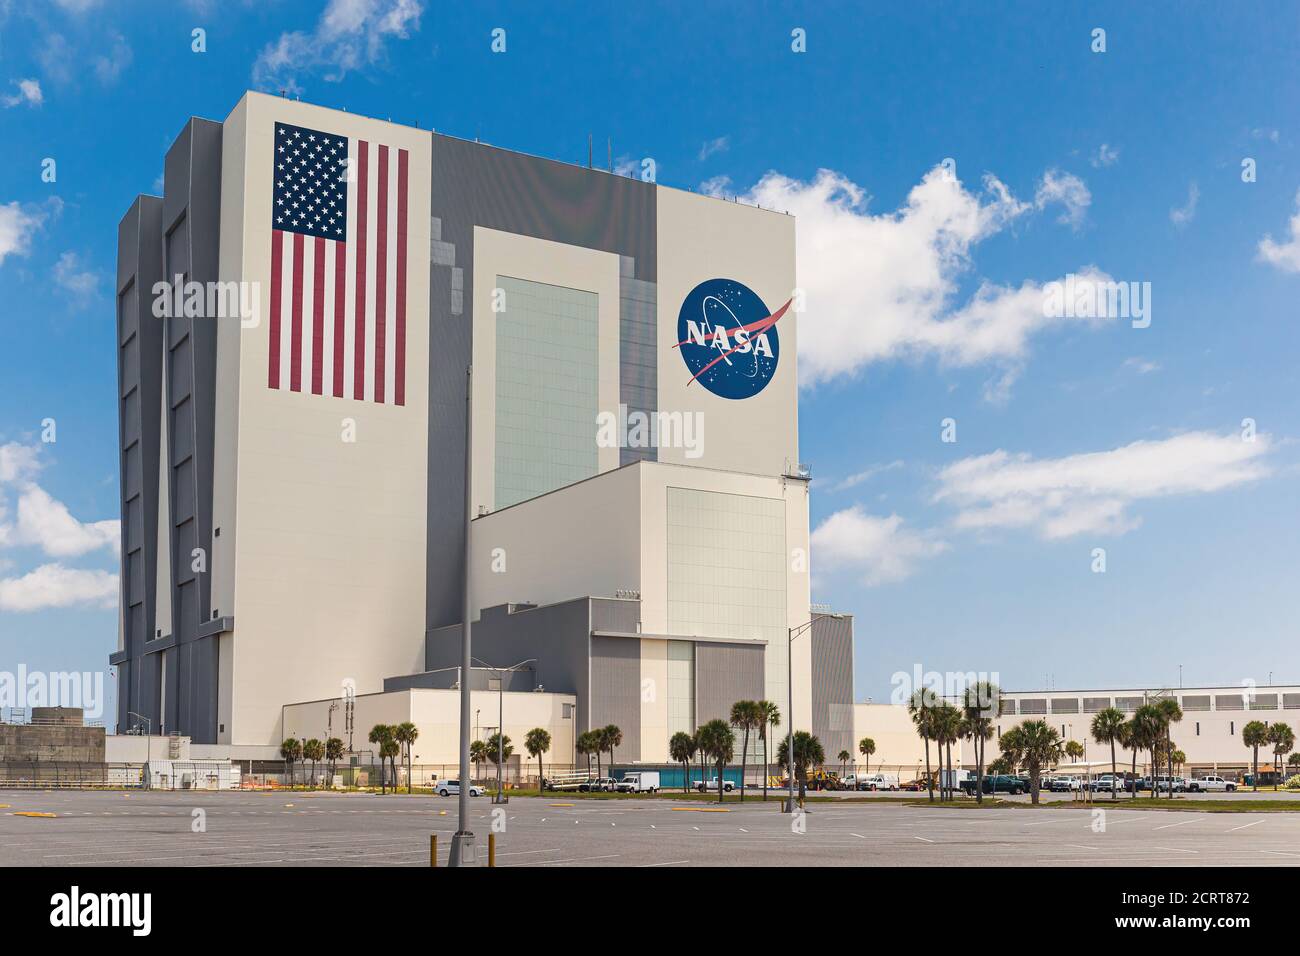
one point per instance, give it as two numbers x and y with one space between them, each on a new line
1293 763
1105 729
1282 737
920 706
771 719
808 752
491 745
1149 724
381 734
948 730
718 743
290 751
405 734
313 750
844 757
1073 749
610 737
537 741
1129 739
1170 713
478 754
681 747
1033 745
980 705
867 747
746 715
391 749
333 753
1255 735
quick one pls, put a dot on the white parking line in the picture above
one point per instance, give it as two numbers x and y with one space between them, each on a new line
1245 825
1180 823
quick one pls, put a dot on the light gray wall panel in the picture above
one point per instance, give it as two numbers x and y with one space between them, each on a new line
724 674
616 691
832 685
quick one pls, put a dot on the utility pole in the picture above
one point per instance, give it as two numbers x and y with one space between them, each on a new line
462 841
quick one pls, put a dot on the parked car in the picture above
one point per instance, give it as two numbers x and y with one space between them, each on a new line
1164 783
599 785
1108 782
639 781
712 784
1211 783
995 783
1062 784
875 781
451 788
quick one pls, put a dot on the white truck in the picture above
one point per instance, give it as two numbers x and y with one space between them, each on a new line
712 784
639 781
872 781
1210 783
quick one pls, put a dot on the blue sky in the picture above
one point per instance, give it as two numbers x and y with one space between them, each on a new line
924 289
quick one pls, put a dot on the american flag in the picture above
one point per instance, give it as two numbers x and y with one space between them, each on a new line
338 266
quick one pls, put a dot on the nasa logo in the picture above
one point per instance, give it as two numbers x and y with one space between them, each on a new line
728 338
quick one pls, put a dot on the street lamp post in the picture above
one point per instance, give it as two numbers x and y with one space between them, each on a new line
791 634
462 841
501 718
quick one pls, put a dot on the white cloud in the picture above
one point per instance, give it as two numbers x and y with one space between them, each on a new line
77 6
879 287
79 282
350 34
1068 190
1094 492
40 520
716 186
53 585
1141 366
1106 155
1267 133
1182 215
18 462
44 522
866 474
17 225
882 550
713 147
1283 255
29 92
109 66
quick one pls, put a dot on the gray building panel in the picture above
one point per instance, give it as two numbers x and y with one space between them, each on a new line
139 389
832 684
478 185
724 674
616 691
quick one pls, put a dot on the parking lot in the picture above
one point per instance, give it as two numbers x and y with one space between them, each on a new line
269 829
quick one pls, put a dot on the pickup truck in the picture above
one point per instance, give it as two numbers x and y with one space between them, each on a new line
874 781
599 785
995 783
1211 783
1107 782
712 784
1164 783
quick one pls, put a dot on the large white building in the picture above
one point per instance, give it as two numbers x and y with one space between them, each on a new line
293 493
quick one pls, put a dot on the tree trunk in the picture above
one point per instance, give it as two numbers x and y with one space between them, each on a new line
720 787
929 781
1135 773
766 765
979 769
1113 765
744 752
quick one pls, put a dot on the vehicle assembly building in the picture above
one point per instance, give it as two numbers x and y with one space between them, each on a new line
297 319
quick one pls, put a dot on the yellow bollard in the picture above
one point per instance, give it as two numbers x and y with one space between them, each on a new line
492 849
433 849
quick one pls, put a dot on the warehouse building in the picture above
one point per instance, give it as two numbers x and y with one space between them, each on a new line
293 468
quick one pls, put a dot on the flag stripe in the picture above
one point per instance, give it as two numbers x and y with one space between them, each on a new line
295 354
399 386
277 260
381 271
359 365
340 307
317 315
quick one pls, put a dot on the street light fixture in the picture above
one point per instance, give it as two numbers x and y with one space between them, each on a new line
501 718
791 634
